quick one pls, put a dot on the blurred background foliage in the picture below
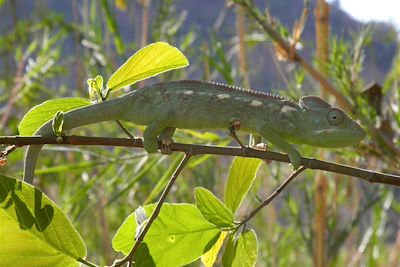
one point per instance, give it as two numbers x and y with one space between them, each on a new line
48 49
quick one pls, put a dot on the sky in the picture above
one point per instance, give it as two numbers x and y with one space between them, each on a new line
377 10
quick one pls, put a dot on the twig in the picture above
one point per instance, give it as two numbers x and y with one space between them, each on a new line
309 163
156 212
294 56
88 263
123 128
273 195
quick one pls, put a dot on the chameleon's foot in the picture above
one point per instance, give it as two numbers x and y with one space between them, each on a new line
233 127
166 146
150 146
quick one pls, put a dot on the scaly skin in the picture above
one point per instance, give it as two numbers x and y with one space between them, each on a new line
166 106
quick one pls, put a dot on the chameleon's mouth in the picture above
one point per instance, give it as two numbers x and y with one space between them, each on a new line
338 137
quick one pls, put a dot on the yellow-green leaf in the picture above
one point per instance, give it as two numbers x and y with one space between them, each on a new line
40 114
178 236
213 209
34 231
241 176
149 61
246 250
208 259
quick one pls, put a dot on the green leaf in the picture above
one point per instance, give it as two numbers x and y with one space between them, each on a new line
149 61
241 176
246 249
34 230
213 209
95 87
209 258
57 123
229 252
40 114
177 237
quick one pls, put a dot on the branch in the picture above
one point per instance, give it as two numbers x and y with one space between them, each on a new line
273 195
293 54
156 212
309 163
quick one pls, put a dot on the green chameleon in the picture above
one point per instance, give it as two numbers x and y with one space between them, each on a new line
166 106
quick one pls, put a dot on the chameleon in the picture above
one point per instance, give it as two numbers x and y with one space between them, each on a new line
188 104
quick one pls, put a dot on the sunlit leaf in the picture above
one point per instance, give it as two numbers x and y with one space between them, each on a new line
177 237
210 257
213 209
34 231
149 61
246 249
241 176
40 114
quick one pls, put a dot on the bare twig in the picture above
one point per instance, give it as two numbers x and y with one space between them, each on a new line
294 56
273 195
309 163
123 128
156 212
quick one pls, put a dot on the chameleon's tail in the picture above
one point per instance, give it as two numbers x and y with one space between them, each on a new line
109 110
31 156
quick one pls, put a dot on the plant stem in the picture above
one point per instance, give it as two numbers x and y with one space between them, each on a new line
126 131
273 195
309 163
156 212
88 263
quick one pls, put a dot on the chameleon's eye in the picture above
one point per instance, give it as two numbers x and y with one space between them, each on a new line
335 117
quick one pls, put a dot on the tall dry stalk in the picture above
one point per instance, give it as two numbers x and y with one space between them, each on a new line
321 184
242 55
145 4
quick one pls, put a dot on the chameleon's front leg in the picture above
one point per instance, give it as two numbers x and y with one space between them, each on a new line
265 130
158 127
234 125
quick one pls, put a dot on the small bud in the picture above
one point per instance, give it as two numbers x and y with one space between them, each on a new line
95 87
57 123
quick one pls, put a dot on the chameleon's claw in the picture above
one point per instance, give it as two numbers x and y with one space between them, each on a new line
166 146
261 146
233 127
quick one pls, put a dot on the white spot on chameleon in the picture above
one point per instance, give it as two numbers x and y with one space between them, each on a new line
256 103
223 96
189 92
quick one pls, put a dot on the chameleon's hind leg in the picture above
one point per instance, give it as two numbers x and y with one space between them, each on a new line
166 140
234 125
153 130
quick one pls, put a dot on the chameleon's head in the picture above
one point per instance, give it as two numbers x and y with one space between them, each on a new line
328 126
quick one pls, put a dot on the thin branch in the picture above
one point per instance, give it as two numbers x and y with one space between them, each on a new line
294 56
273 195
309 163
88 263
156 212
123 128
